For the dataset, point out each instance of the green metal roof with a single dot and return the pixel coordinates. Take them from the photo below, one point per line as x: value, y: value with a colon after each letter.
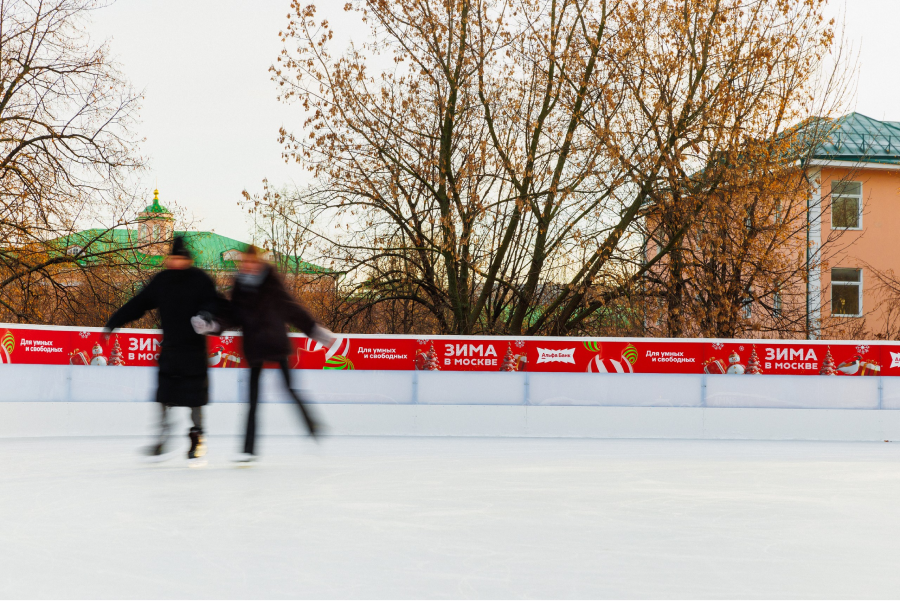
x: 858, y: 138
x: 117, y: 246
x: 208, y: 249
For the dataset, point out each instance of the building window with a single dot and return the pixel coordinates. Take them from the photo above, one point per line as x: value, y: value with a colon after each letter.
x: 777, y: 305
x: 73, y: 250
x: 846, y: 292
x: 747, y: 308
x: 846, y: 205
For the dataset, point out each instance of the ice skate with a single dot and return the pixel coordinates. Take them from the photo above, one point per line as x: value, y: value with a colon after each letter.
x: 245, y: 459
x: 197, y: 453
x: 157, y: 453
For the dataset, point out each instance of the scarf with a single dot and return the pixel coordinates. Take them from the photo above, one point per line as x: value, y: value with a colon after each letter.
x: 252, y: 281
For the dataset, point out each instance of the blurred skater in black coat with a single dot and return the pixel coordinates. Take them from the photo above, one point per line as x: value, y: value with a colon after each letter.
x: 263, y: 308
x: 179, y: 292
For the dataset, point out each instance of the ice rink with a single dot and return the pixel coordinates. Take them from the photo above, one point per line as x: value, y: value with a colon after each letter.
x: 452, y: 517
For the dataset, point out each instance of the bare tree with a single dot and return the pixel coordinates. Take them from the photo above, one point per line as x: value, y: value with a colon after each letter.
x: 66, y: 151
x: 502, y: 172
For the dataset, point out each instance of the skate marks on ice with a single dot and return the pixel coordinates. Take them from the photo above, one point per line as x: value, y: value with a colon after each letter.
x: 436, y: 518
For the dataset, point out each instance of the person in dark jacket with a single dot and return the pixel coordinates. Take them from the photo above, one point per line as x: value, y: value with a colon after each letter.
x: 179, y: 292
x: 262, y: 307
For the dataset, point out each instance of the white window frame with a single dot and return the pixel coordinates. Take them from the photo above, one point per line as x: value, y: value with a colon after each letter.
x: 747, y: 307
x: 747, y: 310
x: 859, y: 292
x: 859, y: 205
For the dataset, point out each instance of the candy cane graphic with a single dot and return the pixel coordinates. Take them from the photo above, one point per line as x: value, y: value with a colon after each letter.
x: 609, y: 366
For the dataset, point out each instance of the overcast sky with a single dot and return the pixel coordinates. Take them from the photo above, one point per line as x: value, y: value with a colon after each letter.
x: 210, y: 118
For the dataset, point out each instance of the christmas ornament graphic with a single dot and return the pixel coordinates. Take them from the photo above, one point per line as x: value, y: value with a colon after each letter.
x: 630, y: 354
x: 340, y: 347
x: 609, y: 366
x: 338, y: 362
x: 592, y: 345
x: 7, y: 346
x: 828, y: 365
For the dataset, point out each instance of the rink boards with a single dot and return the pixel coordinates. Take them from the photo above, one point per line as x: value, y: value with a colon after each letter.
x: 67, y: 383
x: 50, y: 385
x: 64, y: 400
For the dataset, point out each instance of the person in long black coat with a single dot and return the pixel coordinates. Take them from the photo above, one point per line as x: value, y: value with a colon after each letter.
x: 263, y: 308
x: 179, y: 292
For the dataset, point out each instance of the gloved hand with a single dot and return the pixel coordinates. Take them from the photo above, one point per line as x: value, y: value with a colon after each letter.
x: 204, y: 325
x: 323, y: 335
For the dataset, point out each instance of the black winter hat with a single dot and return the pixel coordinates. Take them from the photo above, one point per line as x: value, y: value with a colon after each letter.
x: 179, y: 248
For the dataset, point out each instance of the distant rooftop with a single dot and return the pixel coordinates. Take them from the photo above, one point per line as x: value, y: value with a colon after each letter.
x: 210, y: 250
x: 859, y: 139
x: 146, y: 246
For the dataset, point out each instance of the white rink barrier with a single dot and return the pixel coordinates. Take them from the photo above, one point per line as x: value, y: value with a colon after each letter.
x: 39, y: 400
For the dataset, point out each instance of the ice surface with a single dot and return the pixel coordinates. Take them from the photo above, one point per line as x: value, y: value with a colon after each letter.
x: 452, y: 517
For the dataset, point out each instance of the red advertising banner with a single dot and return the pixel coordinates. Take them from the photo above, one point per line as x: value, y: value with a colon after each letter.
x: 624, y: 356
x: 890, y: 357
x: 781, y: 357
x: 48, y: 345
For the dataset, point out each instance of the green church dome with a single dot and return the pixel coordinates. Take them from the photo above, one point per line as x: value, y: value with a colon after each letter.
x: 156, y: 207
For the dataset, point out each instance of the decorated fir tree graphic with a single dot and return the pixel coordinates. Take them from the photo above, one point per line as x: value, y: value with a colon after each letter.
x: 115, y: 355
x: 509, y: 360
x: 828, y: 365
x: 432, y: 362
x: 753, y: 363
